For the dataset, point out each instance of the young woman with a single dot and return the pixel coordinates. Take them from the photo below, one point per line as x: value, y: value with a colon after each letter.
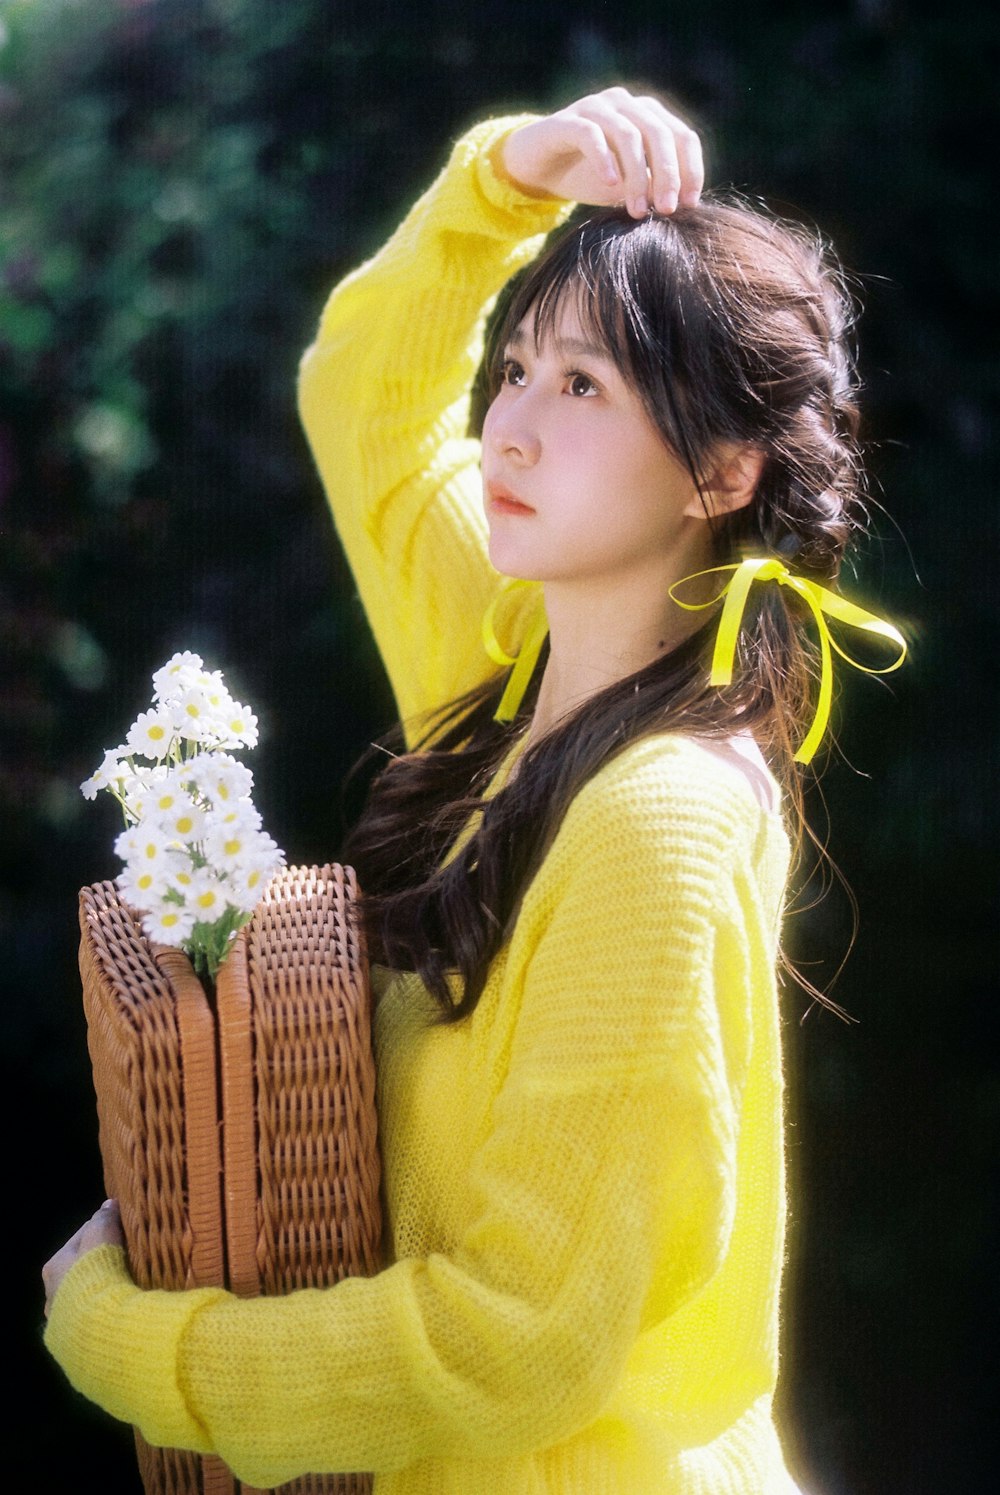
x: 576, y: 872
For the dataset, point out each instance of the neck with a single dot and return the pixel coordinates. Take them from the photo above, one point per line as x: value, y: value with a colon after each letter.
x: 598, y: 635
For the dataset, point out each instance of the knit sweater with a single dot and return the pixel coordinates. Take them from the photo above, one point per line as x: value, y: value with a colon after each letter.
x: 583, y: 1181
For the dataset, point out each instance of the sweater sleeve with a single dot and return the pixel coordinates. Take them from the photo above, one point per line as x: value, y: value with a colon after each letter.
x: 599, y: 1202
x: 384, y: 397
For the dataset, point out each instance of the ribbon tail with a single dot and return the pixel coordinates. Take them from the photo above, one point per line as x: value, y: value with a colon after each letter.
x: 812, y: 595
x: 520, y: 675
x: 724, y: 653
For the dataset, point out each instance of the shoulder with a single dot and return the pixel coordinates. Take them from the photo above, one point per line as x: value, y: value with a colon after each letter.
x: 677, y: 783
x: 668, y: 820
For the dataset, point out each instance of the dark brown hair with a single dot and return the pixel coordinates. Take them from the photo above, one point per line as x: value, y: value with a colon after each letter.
x: 732, y: 326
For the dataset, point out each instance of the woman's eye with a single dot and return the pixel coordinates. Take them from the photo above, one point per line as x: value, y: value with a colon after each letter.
x: 511, y: 371
x: 582, y: 384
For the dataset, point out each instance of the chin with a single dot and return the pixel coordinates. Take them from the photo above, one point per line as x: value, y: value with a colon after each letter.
x: 507, y: 562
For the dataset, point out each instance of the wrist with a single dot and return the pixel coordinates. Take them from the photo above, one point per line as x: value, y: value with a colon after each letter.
x: 512, y: 209
x: 497, y: 157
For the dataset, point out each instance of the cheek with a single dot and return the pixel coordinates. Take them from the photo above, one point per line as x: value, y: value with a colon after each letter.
x: 492, y: 413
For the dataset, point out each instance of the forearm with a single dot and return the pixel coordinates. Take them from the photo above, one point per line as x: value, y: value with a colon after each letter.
x: 119, y: 1346
x: 510, y: 1343
x: 384, y: 397
x: 400, y: 338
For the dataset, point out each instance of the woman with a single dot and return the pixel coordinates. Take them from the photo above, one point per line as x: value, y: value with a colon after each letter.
x: 576, y: 873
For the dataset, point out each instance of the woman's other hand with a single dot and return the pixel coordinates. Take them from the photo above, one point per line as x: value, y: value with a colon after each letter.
x: 608, y: 148
x: 104, y: 1228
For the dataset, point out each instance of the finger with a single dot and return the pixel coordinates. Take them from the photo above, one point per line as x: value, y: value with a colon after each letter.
x: 661, y: 159
x: 626, y: 142
x: 50, y: 1281
x: 71, y: 1247
x: 104, y: 1230
x: 66, y: 1255
x: 673, y: 155
x: 593, y: 145
x: 55, y: 1270
x: 692, y: 166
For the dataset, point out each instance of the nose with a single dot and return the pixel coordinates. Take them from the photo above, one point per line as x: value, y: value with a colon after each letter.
x: 511, y: 430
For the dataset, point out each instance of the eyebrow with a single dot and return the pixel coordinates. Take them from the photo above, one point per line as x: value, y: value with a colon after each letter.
x: 575, y: 346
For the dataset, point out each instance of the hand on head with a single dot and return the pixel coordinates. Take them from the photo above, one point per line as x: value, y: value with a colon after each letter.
x: 610, y: 147
x: 104, y: 1228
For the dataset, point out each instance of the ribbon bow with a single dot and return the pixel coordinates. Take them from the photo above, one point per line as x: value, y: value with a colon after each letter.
x: 820, y: 601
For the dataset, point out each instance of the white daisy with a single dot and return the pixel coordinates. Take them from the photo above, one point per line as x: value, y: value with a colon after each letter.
x: 152, y: 733
x: 221, y: 779
x: 243, y: 814
x: 143, y: 845
x: 240, y: 725
x: 185, y: 822
x: 207, y: 897
x: 194, y: 717
x: 142, y: 789
x: 196, y: 858
x: 141, y: 886
x: 246, y: 887
x: 168, y: 792
x: 113, y: 768
x: 168, y: 923
x: 176, y: 675
x: 179, y: 873
x: 212, y: 683
x: 234, y: 840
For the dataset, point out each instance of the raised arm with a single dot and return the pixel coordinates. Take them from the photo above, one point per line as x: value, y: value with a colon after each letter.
x: 384, y: 397
x: 384, y: 390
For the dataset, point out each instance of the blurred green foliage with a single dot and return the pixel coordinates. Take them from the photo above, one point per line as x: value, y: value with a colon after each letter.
x: 180, y: 182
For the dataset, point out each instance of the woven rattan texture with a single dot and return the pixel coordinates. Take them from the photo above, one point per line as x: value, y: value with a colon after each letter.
x: 317, y: 1151
x: 289, y: 1034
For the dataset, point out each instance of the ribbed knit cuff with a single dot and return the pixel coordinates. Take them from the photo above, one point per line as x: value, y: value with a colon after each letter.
x: 94, y: 1324
x: 531, y: 214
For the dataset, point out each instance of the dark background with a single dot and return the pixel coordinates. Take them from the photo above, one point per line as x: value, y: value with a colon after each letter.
x: 180, y: 183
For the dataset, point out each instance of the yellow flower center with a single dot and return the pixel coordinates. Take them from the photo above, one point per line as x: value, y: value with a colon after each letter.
x: 155, y: 733
x: 169, y: 920
x: 232, y: 847
x: 146, y: 881
x: 193, y: 710
x: 184, y: 824
x: 206, y: 900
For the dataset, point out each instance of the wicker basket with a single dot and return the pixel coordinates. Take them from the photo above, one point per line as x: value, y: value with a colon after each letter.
x: 238, y: 1137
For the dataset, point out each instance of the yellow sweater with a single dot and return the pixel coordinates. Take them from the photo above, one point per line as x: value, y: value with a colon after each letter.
x: 583, y: 1183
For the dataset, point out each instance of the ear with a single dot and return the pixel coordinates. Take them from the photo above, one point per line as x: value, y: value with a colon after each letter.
x: 732, y: 482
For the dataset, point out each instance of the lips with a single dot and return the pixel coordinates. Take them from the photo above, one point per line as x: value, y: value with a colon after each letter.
x: 504, y: 501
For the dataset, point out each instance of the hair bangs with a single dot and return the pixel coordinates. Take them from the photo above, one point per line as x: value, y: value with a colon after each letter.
x: 631, y: 285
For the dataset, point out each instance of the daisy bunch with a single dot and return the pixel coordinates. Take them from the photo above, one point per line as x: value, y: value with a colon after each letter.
x: 196, y: 857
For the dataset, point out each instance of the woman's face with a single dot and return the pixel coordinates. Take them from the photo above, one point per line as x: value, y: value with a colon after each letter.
x: 578, y: 484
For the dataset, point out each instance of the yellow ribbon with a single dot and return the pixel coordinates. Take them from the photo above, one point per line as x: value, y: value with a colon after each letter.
x: 819, y: 601
x: 524, y: 662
